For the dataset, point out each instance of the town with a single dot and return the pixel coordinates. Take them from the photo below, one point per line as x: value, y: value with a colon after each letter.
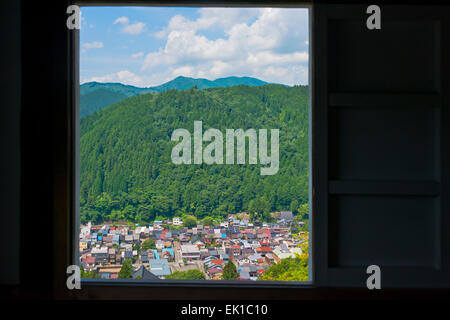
x: 165, y: 248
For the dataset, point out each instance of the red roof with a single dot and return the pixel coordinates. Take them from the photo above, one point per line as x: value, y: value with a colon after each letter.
x: 90, y: 260
x: 217, y: 261
x: 263, y: 249
x: 214, y: 270
x: 235, y: 246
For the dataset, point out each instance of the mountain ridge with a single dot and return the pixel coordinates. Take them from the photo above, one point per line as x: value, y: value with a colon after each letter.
x: 92, y: 100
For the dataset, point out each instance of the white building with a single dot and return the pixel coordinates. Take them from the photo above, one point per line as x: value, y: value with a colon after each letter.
x: 177, y: 221
x: 190, y: 252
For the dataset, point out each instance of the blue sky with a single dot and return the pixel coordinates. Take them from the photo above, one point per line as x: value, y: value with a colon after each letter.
x: 147, y: 46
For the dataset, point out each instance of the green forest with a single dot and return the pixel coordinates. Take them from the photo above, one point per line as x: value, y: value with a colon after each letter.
x: 125, y: 155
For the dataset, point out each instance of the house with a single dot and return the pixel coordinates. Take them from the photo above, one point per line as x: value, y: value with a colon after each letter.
x: 143, y: 273
x: 190, y: 252
x: 204, y: 253
x: 224, y: 224
x: 84, y: 245
x: 108, y: 272
x: 263, y: 250
x: 286, y: 215
x: 128, y: 254
x: 89, y: 263
x: 248, y: 272
x: 144, y: 256
x: 159, y: 267
x: 254, y: 258
x: 150, y: 255
x: 168, y: 253
x: 213, y: 252
x: 224, y: 257
x: 100, y: 254
x: 236, y: 250
x: 159, y: 244
x: 156, y: 234
x: 116, y: 239
x: 215, y: 273
x: 176, y: 221
x: 112, y: 255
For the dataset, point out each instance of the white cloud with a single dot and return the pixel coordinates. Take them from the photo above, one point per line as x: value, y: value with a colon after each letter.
x: 137, y: 55
x: 268, y: 43
x: 91, y: 45
x: 135, y: 28
x: 122, y: 20
x: 123, y: 76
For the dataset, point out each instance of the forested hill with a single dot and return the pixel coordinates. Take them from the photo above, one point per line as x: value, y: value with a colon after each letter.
x: 95, y: 96
x: 126, y: 167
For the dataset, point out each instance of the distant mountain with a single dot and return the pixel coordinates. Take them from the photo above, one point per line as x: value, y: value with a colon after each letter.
x: 97, y: 100
x: 183, y: 83
x: 95, y: 96
x: 124, y: 89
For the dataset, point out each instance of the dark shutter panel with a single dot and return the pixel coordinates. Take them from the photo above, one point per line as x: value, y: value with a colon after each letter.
x: 381, y: 140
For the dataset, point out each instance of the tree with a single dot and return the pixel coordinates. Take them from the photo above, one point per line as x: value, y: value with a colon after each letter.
x: 294, y: 206
x: 137, y: 246
x: 303, y: 210
x: 189, y: 222
x: 289, y: 269
x: 261, y: 207
x: 208, y: 221
x: 126, y: 272
x: 193, y: 274
x: 148, y: 244
x: 90, y: 274
x: 229, y: 271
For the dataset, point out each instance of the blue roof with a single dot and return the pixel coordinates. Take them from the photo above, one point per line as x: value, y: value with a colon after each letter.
x: 170, y: 250
x: 159, y: 267
x: 156, y: 253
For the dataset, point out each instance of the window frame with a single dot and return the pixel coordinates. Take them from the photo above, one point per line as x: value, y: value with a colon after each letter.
x: 73, y: 244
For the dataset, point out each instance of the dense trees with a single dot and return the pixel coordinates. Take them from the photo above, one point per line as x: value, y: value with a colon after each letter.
x: 208, y: 221
x: 193, y: 274
x: 126, y: 272
x: 189, y: 221
x: 127, y: 173
x: 87, y: 274
x: 289, y: 269
x: 229, y: 271
x: 148, y: 244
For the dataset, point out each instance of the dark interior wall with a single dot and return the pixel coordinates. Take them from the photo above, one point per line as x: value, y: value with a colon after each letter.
x: 10, y: 86
x: 382, y: 102
x: 44, y: 130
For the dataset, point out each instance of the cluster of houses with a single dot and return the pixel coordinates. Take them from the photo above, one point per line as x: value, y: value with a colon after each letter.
x: 103, y: 249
